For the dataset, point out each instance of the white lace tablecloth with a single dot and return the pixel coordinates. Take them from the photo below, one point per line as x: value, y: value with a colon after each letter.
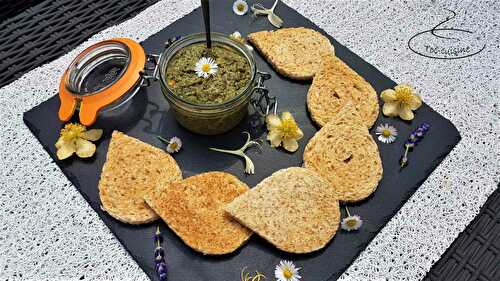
x: 49, y: 232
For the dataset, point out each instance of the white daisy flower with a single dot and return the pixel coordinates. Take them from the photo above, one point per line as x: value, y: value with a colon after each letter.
x: 174, y: 145
x: 286, y: 271
x: 206, y: 67
x: 240, y: 7
x: 351, y: 222
x: 386, y: 133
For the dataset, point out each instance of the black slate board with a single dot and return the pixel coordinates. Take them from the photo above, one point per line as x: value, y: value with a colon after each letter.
x: 148, y: 115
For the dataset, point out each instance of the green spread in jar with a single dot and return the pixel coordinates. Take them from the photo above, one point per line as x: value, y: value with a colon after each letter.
x: 233, y: 74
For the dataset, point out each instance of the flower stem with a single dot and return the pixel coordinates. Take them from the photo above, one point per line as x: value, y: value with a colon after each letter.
x: 249, y: 166
x: 347, y: 211
x: 163, y: 139
x: 158, y: 232
x: 404, y: 160
x: 234, y: 152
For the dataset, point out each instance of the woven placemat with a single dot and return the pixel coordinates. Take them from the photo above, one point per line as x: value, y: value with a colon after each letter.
x: 50, y: 29
x: 10, y: 8
x: 475, y: 254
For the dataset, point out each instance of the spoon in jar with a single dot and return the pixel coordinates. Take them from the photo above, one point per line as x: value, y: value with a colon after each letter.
x: 206, y: 18
x: 258, y: 10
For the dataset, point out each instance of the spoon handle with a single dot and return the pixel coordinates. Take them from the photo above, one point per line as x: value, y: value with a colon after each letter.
x: 206, y: 19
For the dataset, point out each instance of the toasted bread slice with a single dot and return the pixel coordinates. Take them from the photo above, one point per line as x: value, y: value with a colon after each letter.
x: 335, y: 86
x: 131, y: 169
x: 194, y: 210
x: 294, y: 52
x: 294, y: 209
x: 345, y: 154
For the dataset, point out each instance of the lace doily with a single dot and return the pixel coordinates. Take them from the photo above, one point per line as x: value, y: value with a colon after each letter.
x: 49, y: 232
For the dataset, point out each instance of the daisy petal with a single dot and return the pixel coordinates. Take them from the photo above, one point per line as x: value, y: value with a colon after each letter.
x: 390, y: 109
x: 66, y: 150
x: 393, y: 130
x: 84, y: 148
x: 382, y: 139
x: 406, y: 113
x: 380, y: 129
x: 290, y: 144
x: 388, y: 95
x: 274, y: 137
x: 92, y: 135
x: 170, y: 148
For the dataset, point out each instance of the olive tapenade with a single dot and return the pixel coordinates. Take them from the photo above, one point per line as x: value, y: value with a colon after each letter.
x: 232, y: 76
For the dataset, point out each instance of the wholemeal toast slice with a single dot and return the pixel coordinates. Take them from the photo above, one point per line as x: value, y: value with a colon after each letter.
x: 336, y: 85
x: 294, y: 52
x: 132, y: 168
x: 294, y: 209
x: 347, y: 115
x: 193, y: 209
x: 345, y: 154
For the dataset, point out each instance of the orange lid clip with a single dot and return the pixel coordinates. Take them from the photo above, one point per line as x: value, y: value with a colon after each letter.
x: 89, y: 105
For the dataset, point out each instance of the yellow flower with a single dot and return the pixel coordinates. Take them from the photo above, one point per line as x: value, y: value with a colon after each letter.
x: 245, y: 276
x: 284, y: 130
x: 76, y: 139
x: 400, y: 102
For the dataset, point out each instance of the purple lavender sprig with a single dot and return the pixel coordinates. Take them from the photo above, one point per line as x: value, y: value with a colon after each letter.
x: 172, y: 40
x: 413, y: 140
x: 160, y: 264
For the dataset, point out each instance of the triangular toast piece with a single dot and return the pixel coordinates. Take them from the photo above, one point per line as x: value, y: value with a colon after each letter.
x: 194, y: 209
x: 131, y: 169
x: 294, y: 52
x: 294, y: 209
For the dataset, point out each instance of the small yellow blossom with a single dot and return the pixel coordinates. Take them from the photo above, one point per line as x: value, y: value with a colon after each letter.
x: 245, y: 276
x: 75, y: 138
x: 283, y: 131
x: 401, y: 101
x: 236, y: 36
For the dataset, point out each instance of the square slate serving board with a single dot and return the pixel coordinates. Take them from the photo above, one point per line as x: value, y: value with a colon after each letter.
x: 148, y: 115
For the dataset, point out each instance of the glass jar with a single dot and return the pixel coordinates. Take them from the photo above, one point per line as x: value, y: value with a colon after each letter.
x: 208, y: 119
x: 102, y: 80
